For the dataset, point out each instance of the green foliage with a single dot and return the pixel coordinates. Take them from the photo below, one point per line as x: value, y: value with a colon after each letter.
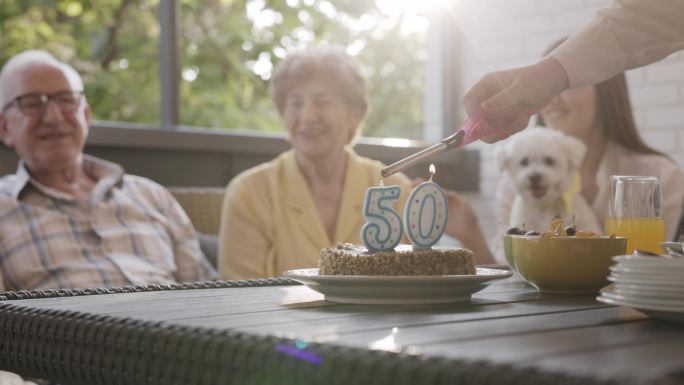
x: 96, y: 37
x: 114, y: 45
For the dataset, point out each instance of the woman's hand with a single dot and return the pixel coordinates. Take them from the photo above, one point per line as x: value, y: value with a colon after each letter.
x: 509, y: 98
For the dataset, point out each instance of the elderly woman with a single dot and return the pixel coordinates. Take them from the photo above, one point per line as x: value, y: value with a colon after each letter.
x: 279, y: 215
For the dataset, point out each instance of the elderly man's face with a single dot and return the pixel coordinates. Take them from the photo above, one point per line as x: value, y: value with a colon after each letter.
x: 54, y: 137
x: 319, y: 121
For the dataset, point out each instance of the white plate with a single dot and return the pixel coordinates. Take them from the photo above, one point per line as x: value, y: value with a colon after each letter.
x: 645, y: 291
x: 676, y: 304
x: 648, y: 281
x: 673, y: 316
x: 650, y: 289
x: 667, y: 313
x: 657, y: 279
x: 654, y: 262
x: 362, y: 289
x: 660, y: 270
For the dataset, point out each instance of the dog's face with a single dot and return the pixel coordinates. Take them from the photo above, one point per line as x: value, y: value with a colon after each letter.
x: 541, y: 163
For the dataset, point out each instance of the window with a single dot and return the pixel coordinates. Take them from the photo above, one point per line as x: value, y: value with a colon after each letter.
x: 113, y: 45
x: 226, y: 53
x: 229, y: 50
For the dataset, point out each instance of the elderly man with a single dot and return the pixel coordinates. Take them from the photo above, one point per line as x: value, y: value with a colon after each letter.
x: 70, y: 220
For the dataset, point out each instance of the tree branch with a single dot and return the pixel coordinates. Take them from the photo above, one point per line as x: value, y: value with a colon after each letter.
x: 112, y: 49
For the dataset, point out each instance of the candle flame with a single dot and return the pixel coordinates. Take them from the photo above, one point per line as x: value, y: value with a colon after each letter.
x: 432, y: 170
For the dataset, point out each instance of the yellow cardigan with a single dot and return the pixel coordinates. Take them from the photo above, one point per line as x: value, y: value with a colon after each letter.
x: 270, y: 224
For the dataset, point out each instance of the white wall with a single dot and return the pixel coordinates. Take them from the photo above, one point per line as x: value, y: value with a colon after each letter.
x: 500, y: 34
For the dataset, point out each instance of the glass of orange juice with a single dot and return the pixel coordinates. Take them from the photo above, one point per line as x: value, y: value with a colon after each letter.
x: 635, y: 212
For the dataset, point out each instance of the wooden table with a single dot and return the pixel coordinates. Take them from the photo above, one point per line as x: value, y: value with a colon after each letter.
x: 278, y: 332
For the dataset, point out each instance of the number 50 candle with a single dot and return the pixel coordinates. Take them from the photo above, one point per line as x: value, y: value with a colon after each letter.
x: 425, y: 214
x: 383, y: 228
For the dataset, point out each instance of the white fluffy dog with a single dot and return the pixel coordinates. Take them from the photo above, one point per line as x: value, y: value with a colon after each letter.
x: 542, y: 163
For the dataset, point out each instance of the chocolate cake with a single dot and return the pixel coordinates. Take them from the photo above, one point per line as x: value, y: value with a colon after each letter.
x: 350, y: 259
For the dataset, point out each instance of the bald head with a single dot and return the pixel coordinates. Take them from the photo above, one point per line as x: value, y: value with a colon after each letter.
x: 23, y: 63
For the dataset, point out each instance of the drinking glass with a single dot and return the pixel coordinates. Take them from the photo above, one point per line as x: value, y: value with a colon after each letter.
x: 635, y: 212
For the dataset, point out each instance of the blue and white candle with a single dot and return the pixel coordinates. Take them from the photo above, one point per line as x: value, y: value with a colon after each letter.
x: 425, y: 214
x: 383, y: 229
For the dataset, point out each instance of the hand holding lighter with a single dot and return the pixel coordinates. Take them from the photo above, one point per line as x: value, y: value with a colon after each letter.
x: 473, y: 129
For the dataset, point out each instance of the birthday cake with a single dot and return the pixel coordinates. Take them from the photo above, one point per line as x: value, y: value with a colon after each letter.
x: 351, y: 259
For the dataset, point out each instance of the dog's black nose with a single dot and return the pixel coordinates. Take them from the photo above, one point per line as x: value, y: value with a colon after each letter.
x: 535, y: 178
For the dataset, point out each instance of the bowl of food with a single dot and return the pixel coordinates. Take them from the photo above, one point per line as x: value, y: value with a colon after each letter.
x: 508, y: 243
x: 508, y: 249
x: 555, y: 262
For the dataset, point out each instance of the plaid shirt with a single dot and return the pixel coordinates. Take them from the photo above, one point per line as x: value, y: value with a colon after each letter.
x: 131, y: 231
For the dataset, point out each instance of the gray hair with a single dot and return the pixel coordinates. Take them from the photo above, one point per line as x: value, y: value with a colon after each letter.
x: 31, y: 58
x: 331, y: 61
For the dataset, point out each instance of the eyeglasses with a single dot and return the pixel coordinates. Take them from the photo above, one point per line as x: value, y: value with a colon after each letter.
x: 35, y: 104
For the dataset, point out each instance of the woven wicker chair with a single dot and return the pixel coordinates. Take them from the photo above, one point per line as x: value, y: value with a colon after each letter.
x: 203, y: 206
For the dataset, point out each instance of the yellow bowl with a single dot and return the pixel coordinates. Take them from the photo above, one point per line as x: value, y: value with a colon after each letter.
x: 565, y: 264
x: 508, y: 249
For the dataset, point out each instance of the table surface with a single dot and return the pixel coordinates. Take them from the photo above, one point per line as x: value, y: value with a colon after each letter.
x: 508, y: 333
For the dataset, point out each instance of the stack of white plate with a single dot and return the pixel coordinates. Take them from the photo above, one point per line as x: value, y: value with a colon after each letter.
x: 653, y: 285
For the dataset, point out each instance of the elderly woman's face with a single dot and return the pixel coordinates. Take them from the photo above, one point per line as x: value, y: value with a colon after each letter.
x: 318, y: 119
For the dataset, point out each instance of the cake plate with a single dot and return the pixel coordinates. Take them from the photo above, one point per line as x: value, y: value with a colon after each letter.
x: 395, y: 290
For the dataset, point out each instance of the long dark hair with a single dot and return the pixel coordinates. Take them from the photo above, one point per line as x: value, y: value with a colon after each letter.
x: 615, y: 112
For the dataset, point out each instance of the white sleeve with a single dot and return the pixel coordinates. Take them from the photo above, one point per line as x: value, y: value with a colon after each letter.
x: 630, y: 34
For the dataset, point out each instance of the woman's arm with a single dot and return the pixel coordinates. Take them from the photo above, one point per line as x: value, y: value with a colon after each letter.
x: 243, y: 240
x: 630, y: 34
